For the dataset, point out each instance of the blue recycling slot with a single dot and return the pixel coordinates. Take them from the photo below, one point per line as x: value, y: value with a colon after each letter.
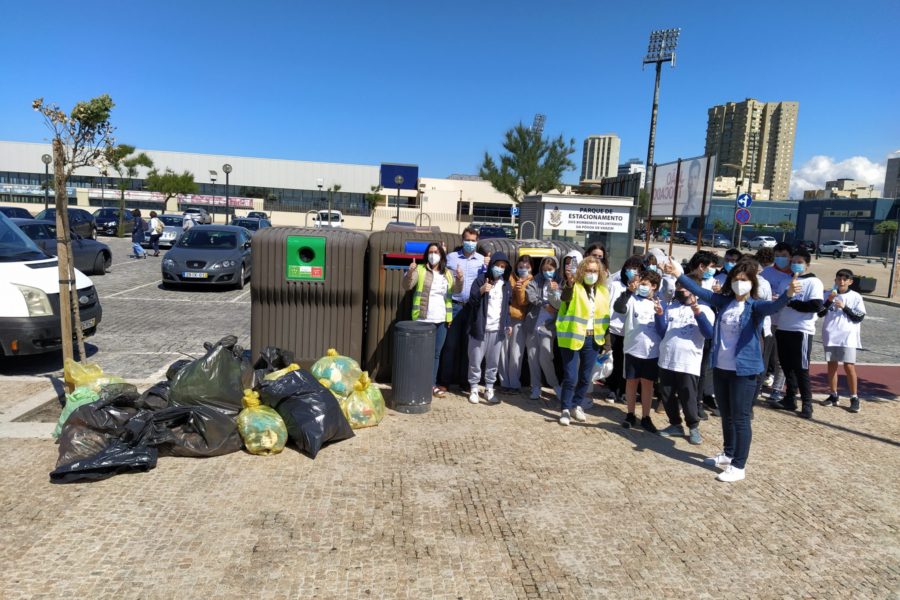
x: 415, y: 247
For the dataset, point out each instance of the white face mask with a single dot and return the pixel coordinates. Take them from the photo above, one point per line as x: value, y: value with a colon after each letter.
x: 434, y: 258
x: 590, y: 278
x: 741, y: 288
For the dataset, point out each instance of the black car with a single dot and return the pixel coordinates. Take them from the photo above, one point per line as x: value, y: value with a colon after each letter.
x: 492, y: 231
x: 251, y: 225
x: 808, y: 245
x: 15, y: 212
x: 107, y: 220
x: 91, y: 257
x: 80, y: 221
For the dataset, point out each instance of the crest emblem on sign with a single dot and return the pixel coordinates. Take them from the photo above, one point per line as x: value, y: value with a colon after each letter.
x: 555, y: 217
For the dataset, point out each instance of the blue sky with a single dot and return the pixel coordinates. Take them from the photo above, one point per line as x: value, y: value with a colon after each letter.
x: 437, y: 83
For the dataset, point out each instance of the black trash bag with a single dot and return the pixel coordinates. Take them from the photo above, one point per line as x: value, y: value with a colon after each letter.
x: 157, y: 395
x: 311, y: 413
x: 191, y: 431
x: 214, y: 380
x: 122, y: 394
x: 114, y: 459
x: 270, y: 359
x: 176, y: 366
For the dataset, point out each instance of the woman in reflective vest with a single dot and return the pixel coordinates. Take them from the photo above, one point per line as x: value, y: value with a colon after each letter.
x: 434, y: 285
x: 581, y: 326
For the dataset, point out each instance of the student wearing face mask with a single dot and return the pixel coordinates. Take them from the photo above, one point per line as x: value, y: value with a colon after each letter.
x: 702, y: 269
x: 844, y: 311
x: 544, y: 296
x: 489, y: 302
x: 732, y: 255
x: 736, y: 357
x: 666, y: 289
x: 581, y: 326
x: 779, y: 275
x: 514, y: 345
x: 434, y: 285
x: 570, y: 265
x: 796, y: 328
x: 629, y: 272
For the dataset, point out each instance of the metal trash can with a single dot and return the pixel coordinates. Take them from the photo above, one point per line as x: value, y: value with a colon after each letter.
x: 308, y: 291
x: 411, y: 382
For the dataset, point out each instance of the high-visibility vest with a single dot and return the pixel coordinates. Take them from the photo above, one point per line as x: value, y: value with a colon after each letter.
x: 573, y: 316
x: 420, y: 285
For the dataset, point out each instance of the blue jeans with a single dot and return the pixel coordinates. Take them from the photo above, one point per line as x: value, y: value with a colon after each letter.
x: 578, y: 366
x: 734, y: 395
x: 136, y: 248
x: 440, y: 336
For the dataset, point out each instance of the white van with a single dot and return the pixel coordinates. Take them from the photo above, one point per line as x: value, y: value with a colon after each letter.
x: 29, y: 296
x: 322, y: 219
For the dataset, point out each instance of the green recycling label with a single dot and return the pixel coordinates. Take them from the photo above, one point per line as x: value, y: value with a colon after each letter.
x: 305, y: 258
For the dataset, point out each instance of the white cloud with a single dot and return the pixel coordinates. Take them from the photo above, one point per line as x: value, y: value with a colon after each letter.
x: 813, y: 174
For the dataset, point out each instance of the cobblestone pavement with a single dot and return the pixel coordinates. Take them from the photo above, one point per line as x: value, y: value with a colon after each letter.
x: 475, y: 502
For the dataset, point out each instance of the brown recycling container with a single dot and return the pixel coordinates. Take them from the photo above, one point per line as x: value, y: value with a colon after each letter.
x: 308, y: 291
x: 536, y: 249
x: 387, y: 301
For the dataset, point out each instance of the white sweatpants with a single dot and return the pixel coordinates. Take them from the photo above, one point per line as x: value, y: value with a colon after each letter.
x: 489, y: 351
x: 540, y: 357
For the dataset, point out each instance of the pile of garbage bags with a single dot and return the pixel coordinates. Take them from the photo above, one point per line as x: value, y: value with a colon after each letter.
x: 209, y: 406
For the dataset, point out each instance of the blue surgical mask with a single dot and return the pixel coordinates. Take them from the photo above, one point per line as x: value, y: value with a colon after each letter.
x: 497, y: 272
x: 652, y: 268
x: 643, y: 290
x: 549, y: 274
x: 523, y: 272
x: 782, y: 262
x: 469, y: 246
x: 709, y: 273
x: 728, y: 266
x: 630, y: 273
x: 798, y: 267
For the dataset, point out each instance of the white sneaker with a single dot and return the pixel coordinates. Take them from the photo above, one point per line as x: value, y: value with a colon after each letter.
x: 579, y: 414
x: 489, y: 396
x: 770, y: 379
x: 564, y: 417
x: 731, y: 474
x: 473, y: 397
x: 719, y: 460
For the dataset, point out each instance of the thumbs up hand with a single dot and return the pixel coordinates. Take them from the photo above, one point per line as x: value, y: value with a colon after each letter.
x: 793, y: 287
x: 412, y: 265
x: 487, y: 287
x: 459, y: 272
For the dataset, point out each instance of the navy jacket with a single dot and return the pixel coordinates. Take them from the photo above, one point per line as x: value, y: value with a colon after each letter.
x: 137, y: 234
x: 479, y: 304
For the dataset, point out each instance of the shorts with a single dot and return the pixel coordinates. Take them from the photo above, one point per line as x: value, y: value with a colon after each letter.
x: 840, y: 354
x: 641, y: 368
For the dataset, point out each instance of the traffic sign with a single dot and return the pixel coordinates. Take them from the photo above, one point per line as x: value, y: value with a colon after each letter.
x: 514, y: 210
x: 742, y: 216
x: 744, y: 200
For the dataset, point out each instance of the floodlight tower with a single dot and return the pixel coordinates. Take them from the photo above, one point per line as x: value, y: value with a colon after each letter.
x: 538, y: 125
x: 661, y: 49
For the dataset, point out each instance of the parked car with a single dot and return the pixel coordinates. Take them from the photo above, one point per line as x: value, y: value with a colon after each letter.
x: 90, y: 255
x: 689, y: 238
x: 80, y: 221
x: 16, y: 212
x: 256, y: 214
x: 716, y: 240
x: 201, y: 216
x: 172, y: 228
x: 322, y: 219
x: 839, y: 248
x: 251, y: 225
x: 29, y: 296
x: 761, y: 241
x: 213, y: 254
x: 491, y: 231
x: 107, y: 220
x: 808, y: 245
x: 678, y: 237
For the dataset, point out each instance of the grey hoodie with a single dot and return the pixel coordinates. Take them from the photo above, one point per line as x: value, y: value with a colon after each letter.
x: 539, y: 294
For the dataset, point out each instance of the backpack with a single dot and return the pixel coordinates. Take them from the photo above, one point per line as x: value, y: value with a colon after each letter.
x: 159, y: 226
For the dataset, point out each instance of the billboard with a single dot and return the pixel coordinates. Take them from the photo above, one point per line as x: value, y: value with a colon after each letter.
x: 587, y: 217
x: 390, y: 171
x: 687, y: 197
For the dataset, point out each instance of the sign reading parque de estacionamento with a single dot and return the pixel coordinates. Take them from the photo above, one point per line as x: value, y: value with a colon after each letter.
x: 586, y: 217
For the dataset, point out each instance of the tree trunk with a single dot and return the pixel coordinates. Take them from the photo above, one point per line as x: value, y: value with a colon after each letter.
x: 120, y: 231
x: 66, y: 281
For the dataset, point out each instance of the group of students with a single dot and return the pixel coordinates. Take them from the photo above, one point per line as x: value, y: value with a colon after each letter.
x: 709, y: 337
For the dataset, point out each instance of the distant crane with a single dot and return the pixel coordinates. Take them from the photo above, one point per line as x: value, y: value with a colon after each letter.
x: 538, y: 125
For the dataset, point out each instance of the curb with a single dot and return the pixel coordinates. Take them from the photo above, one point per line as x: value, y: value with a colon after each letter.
x: 883, y: 301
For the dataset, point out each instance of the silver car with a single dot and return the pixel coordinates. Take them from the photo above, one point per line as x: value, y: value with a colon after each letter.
x: 209, y: 254
x: 172, y: 228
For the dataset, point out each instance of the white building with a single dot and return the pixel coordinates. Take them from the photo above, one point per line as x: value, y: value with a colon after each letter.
x: 633, y: 165
x: 842, y: 188
x: 600, y: 157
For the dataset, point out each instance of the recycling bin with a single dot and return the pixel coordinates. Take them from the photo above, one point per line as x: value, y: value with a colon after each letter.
x: 411, y: 384
x: 387, y: 299
x: 308, y: 291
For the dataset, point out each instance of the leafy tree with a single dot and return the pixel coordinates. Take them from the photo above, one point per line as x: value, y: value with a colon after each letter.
x: 888, y: 228
x: 373, y: 199
x: 123, y: 161
x: 532, y: 164
x: 79, y: 139
x: 170, y: 184
x: 785, y: 226
x: 719, y: 225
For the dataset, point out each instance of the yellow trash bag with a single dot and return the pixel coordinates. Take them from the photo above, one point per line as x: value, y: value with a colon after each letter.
x: 364, y: 407
x: 262, y: 429
x: 88, y: 375
x: 337, y: 373
x: 281, y: 372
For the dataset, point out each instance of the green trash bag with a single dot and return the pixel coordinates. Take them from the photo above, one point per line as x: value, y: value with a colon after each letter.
x: 261, y: 427
x: 79, y: 397
x: 365, y: 406
x: 337, y: 373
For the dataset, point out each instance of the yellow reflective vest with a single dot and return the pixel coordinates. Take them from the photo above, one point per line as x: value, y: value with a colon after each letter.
x: 572, y: 319
x: 419, y: 296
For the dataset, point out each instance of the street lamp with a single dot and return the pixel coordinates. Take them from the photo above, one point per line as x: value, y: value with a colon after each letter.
x: 103, y: 175
x: 227, y: 168
x: 46, y: 159
x: 212, y: 177
x: 399, y: 181
x: 661, y: 49
x: 320, y: 183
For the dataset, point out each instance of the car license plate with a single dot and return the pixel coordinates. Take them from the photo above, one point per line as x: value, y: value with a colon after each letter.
x: 85, y: 325
x: 193, y: 275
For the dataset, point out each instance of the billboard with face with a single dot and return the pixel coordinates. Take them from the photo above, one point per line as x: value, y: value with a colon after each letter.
x: 687, y: 195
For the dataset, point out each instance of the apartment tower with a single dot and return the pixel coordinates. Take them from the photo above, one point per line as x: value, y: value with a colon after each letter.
x: 600, y: 157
